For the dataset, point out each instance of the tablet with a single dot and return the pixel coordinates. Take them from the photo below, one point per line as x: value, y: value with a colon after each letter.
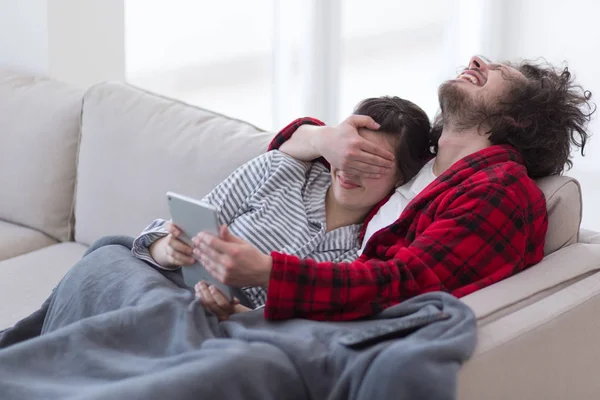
x: 191, y: 217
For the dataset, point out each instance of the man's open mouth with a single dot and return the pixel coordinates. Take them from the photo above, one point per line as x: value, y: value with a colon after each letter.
x: 472, y: 77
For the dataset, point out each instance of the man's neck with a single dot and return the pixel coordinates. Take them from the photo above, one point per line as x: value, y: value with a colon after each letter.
x: 454, y: 145
x: 337, y: 216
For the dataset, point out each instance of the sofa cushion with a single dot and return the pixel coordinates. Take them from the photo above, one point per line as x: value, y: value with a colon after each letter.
x: 563, y: 200
x: 26, y: 281
x: 39, y: 124
x: 136, y: 146
x: 16, y: 240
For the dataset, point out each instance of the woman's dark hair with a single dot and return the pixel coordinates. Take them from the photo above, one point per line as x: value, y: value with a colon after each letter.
x: 542, y: 118
x: 406, y: 121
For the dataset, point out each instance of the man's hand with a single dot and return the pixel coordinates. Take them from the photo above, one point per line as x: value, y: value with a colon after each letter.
x: 213, y: 300
x: 346, y: 150
x: 232, y: 260
x: 169, y: 251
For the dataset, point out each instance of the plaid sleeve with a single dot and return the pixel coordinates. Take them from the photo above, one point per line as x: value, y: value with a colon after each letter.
x: 477, y: 240
x: 286, y: 133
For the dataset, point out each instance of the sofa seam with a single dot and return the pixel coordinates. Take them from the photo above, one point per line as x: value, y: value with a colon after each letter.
x: 72, y: 219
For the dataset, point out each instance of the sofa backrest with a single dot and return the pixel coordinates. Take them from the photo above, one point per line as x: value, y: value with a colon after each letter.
x: 136, y: 146
x: 39, y: 128
x: 563, y: 201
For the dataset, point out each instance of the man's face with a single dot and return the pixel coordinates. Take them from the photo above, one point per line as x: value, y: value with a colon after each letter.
x: 477, y: 91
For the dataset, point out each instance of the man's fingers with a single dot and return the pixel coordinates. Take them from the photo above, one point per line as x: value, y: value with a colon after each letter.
x: 211, y: 266
x: 362, y: 168
x: 206, y: 241
x: 376, y: 155
x: 227, y: 236
x: 353, y: 171
x: 362, y: 121
x: 208, y: 252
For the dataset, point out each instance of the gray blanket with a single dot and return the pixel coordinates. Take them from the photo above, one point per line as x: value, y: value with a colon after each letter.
x: 116, y: 328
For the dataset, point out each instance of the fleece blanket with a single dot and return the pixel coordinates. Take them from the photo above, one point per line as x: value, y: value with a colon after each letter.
x: 117, y: 328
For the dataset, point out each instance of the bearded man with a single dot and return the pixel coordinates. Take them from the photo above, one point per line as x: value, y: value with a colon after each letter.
x: 471, y: 217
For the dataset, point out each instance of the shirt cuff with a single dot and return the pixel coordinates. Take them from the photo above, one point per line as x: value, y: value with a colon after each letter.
x: 141, y: 247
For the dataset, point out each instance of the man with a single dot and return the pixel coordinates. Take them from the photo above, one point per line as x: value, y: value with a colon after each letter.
x: 472, y: 216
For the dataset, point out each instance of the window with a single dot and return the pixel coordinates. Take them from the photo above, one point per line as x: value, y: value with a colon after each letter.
x: 216, y: 55
x: 392, y: 48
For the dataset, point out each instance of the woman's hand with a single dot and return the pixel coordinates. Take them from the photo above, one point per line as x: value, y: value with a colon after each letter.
x: 349, y: 152
x: 232, y: 260
x: 169, y: 251
x: 213, y: 300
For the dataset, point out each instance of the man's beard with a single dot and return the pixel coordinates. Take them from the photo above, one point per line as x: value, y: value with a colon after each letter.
x: 460, y: 108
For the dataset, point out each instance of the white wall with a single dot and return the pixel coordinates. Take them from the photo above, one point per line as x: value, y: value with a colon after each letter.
x: 76, y: 41
x: 86, y: 40
x: 564, y: 31
x: 23, y: 35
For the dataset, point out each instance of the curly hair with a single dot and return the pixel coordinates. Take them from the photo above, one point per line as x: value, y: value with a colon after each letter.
x: 542, y: 118
x: 407, y: 122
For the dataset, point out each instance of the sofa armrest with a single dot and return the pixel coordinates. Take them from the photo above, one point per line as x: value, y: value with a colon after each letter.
x: 555, y: 271
x: 587, y: 236
x: 547, y: 350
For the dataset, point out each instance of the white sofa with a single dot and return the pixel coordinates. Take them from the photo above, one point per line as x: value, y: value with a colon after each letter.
x: 77, y: 165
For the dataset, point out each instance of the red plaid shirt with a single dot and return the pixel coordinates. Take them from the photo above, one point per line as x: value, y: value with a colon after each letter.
x: 479, y: 222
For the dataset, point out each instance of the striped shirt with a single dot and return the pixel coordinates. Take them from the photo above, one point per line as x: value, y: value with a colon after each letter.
x: 277, y: 203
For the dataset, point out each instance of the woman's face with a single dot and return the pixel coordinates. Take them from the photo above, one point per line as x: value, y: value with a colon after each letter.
x: 358, y: 193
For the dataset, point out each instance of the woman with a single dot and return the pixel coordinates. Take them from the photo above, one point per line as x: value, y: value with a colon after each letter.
x: 279, y: 203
